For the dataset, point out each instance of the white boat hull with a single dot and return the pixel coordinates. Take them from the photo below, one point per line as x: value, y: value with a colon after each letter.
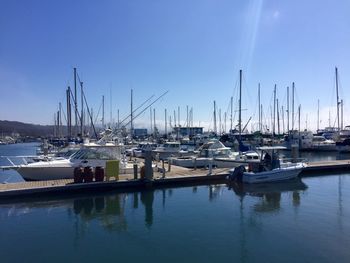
x: 275, y: 175
x: 231, y: 163
x: 189, y: 162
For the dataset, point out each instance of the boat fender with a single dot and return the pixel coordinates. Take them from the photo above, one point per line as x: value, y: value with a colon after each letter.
x: 237, y: 173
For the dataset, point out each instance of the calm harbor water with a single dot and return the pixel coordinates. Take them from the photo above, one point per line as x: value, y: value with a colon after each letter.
x: 304, y: 220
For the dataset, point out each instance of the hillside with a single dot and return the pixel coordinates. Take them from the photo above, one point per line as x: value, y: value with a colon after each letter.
x: 25, y: 129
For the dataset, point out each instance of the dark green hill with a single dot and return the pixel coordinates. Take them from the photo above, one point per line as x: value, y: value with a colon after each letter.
x: 25, y: 129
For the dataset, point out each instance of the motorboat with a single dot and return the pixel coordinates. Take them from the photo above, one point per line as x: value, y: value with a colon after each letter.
x: 270, y: 169
x: 170, y: 149
x: 139, y: 152
x: 236, y: 159
x: 303, y: 139
x: 267, y: 188
x: 320, y: 143
x: 215, y: 153
x: 343, y: 145
x: 63, y: 168
x: 206, y: 155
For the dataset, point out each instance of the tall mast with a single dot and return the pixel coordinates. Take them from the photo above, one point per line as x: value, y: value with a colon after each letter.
x: 231, y: 114
x: 278, y: 118
x: 69, y: 114
x: 336, y: 85
x: 341, y: 113
x: 225, y: 117
x: 282, y: 111
x: 118, y: 118
x: 220, y: 124
x: 318, y: 115
x: 131, y: 115
x: 60, y: 121
x: 287, y: 110
x: 187, y: 125
x: 150, y: 113
x: 299, y: 109
x: 110, y: 107
x: 240, y: 106
x: 103, y: 112
x: 293, y: 88
x: 261, y: 110
x: 215, y: 129
x: 82, y: 109
x: 274, y: 111
x: 259, y: 124
x: 165, y: 130
x: 75, y: 102
x: 154, y: 121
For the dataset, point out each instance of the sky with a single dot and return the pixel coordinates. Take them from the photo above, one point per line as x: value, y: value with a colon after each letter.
x: 193, y: 49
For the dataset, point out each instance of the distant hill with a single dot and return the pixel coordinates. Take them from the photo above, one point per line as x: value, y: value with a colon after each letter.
x: 25, y: 129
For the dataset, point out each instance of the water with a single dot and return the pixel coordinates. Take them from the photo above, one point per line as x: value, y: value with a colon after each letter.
x: 300, y: 221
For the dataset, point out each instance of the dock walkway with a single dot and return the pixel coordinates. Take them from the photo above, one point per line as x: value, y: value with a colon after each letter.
x: 176, y: 177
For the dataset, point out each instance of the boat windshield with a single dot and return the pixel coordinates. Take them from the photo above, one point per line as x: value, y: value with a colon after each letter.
x: 97, y: 153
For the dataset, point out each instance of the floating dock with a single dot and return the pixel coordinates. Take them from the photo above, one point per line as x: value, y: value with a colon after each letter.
x: 178, y: 176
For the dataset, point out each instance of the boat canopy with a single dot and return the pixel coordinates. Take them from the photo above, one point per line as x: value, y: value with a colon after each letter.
x: 271, y: 148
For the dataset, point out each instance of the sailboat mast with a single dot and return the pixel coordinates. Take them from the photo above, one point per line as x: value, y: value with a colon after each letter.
x: 293, y: 88
x: 215, y: 129
x: 318, y: 115
x: 231, y: 114
x: 103, y: 112
x: 336, y: 85
x: 287, y: 109
x: 166, y: 123
x: 259, y: 124
x: 75, y: 102
x: 274, y: 112
x: 240, y: 106
x: 278, y: 118
x: 69, y: 114
x: 341, y: 114
x: 82, y: 109
x: 131, y: 115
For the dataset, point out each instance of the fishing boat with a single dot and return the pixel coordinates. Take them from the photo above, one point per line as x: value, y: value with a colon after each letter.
x: 63, y: 168
x: 270, y: 169
x: 206, y: 155
x: 170, y: 149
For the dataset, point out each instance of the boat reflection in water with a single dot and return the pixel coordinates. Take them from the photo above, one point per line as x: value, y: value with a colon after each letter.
x: 269, y: 194
x: 110, y: 210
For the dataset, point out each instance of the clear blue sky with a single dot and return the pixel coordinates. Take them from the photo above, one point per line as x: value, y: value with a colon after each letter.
x: 194, y: 49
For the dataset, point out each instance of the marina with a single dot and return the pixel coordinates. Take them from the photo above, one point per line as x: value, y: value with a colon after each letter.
x: 174, y: 131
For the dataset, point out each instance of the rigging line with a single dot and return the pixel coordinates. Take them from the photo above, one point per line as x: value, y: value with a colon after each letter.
x: 78, y: 114
x: 88, y: 110
x: 136, y: 110
x: 98, y: 113
x: 149, y: 106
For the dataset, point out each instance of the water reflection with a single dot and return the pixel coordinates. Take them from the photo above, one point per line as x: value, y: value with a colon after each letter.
x: 147, y: 198
x: 269, y: 194
x: 109, y: 210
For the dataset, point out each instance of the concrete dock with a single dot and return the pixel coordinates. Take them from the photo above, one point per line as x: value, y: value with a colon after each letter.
x: 178, y: 176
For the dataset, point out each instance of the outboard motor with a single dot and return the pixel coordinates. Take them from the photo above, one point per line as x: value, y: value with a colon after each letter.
x: 237, y: 174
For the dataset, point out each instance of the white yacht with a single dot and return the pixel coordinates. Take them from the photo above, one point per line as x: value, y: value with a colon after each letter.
x: 206, y: 154
x: 170, y: 149
x: 63, y: 168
